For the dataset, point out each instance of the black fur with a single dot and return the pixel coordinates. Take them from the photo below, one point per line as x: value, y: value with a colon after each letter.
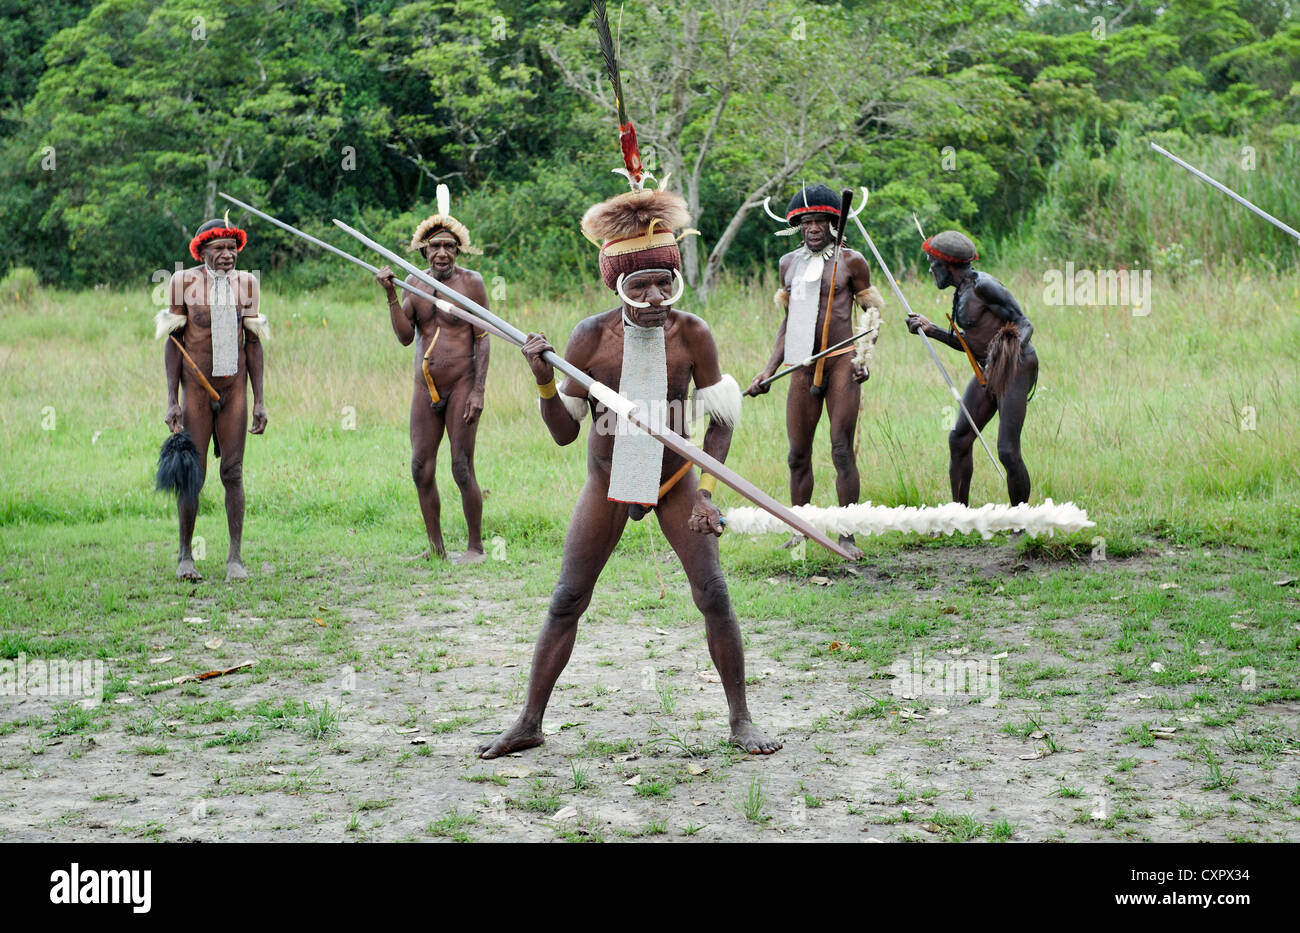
x: 178, y: 468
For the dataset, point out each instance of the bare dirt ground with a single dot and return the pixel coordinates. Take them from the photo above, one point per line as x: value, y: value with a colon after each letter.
x: 1071, y: 750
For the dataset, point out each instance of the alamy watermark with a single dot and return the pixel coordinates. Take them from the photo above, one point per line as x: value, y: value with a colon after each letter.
x: 53, y: 678
x: 656, y: 411
x: 920, y: 676
x: 1117, y: 287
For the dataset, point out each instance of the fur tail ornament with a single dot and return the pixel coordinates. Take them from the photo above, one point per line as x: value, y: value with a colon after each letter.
x: 179, y: 470
x: 1002, y: 365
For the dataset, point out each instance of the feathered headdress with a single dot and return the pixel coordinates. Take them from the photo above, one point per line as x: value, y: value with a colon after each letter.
x: 443, y: 221
x: 634, y: 230
x: 632, y: 169
x: 217, y: 230
x: 817, y: 199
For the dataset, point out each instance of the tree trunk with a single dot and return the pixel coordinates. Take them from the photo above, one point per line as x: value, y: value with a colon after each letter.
x: 690, y: 245
x: 714, y: 265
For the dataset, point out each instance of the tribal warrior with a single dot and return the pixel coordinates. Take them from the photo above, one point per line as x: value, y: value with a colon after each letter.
x: 214, y: 313
x: 808, y: 328
x: 652, y: 353
x: 451, y: 365
x: 987, y: 325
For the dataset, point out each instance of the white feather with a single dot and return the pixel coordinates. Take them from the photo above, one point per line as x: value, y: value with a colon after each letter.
x: 577, y: 407
x: 866, y: 344
x: 720, y: 401
x: 258, y: 327
x: 444, y: 200
x: 949, y: 519
x: 165, y: 323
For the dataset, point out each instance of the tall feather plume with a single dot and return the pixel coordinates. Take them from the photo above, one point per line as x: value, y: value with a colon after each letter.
x: 444, y: 200
x: 626, y: 132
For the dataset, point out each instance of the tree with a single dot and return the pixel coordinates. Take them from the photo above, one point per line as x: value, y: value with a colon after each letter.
x: 466, y: 85
x: 148, y: 108
x: 750, y: 94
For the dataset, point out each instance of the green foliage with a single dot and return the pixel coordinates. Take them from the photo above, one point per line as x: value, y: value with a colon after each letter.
x: 18, y: 286
x: 1022, y: 124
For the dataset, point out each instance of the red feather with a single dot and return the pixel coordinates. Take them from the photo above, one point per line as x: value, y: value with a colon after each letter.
x: 631, y: 154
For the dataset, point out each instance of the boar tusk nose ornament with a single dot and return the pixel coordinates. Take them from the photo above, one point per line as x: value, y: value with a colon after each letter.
x: 672, y: 300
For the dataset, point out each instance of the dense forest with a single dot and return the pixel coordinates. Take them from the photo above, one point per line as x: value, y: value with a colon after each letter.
x: 1024, y: 123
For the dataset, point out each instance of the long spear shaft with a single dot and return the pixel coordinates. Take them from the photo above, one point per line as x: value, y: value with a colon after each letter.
x: 846, y: 201
x: 934, y: 356
x: 443, y: 305
x: 814, y: 358
x: 618, y: 404
x: 1226, y: 190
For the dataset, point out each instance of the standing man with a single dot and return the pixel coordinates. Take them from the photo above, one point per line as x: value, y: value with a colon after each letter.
x: 988, y: 325
x: 214, y: 348
x: 652, y: 353
x: 808, y: 327
x: 451, y: 365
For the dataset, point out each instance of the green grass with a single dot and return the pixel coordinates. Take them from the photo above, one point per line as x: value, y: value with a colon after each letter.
x: 581, y: 775
x: 323, y: 722
x: 1137, y: 419
x: 754, y: 802
x: 959, y: 827
x: 452, y: 826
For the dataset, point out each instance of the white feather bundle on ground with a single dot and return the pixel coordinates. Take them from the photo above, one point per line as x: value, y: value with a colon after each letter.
x: 952, y: 518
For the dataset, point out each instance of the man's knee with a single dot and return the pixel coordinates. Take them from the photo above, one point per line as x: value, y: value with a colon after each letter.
x: 462, y: 471
x: 798, y: 459
x: 842, y: 456
x: 232, y: 471
x: 1008, y: 453
x: 568, y: 602
x: 422, y: 469
x: 711, y: 596
x: 959, y: 441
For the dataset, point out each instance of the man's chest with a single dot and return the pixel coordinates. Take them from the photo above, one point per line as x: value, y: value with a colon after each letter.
x: 203, y: 296
x: 969, y: 311
x: 643, y: 365
x: 814, y: 275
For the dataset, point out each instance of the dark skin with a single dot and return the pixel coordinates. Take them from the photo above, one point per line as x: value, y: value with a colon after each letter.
x: 841, y: 376
x: 689, y: 519
x: 459, y: 365
x: 982, y: 306
x: 190, y: 291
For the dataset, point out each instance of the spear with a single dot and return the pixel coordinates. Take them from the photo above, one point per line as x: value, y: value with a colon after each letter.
x: 814, y: 358
x: 618, y: 404
x: 446, y: 306
x: 934, y: 356
x: 1228, y: 191
x: 846, y: 200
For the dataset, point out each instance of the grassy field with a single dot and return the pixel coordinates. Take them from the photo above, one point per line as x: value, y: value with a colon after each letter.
x: 1178, y: 431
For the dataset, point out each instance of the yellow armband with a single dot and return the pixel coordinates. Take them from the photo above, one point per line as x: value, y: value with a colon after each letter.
x: 548, y: 390
x: 707, y: 483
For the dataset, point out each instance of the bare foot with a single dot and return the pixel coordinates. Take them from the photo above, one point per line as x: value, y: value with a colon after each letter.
x: 515, y: 739
x: 471, y: 557
x: 185, y: 570
x: 747, y: 736
x: 847, y: 541
x: 235, y: 570
x: 427, y: 554
x: 793, y: 541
